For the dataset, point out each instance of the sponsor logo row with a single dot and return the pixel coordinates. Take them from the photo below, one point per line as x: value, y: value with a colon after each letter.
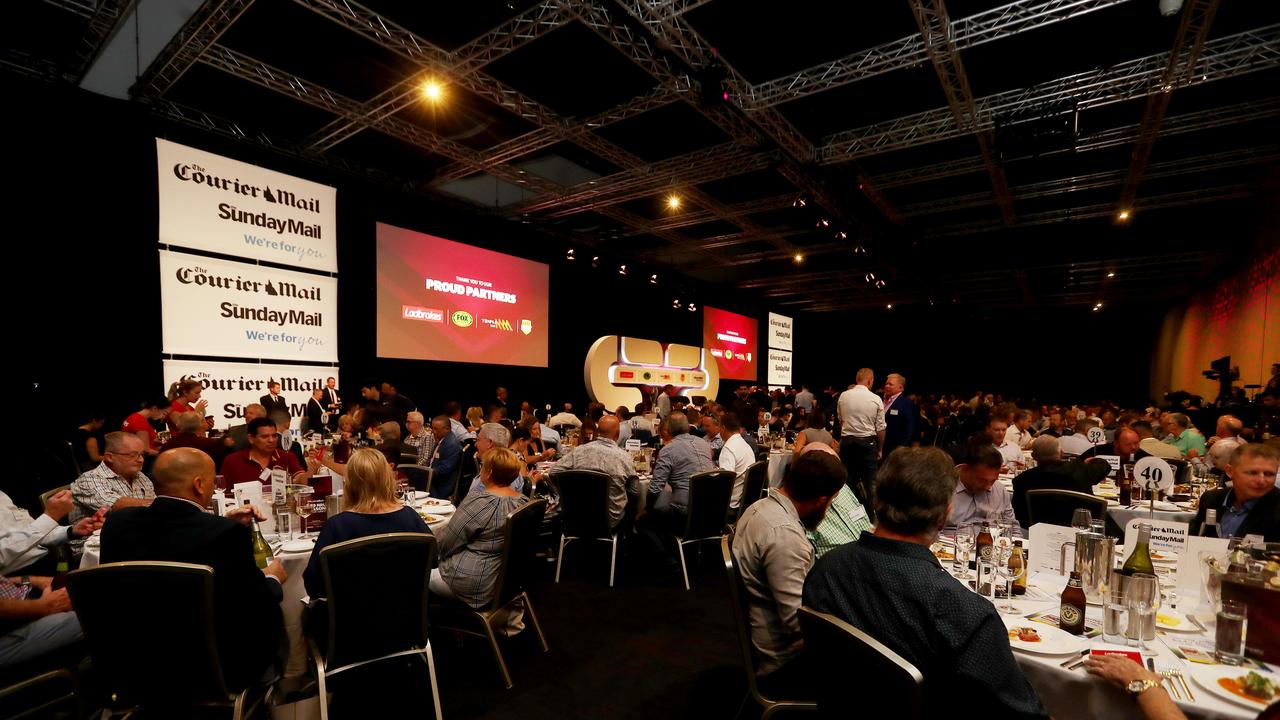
x: 461, y: 318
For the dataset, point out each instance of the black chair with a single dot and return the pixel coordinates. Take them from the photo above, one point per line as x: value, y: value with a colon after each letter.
x: 28, y: 693
x: 418, y: 476
x: 1056, y: 506
x: 584, y: 512
x: 1181, y: 471
x: 834, y: 646
x: 169, y: 661
x: 467, y: 466
x: 44, y: 501
x: 753, y: 488
x: 740, y: 603
x: 520, y: 542
x: 365, y: 627
x: 707, y: 512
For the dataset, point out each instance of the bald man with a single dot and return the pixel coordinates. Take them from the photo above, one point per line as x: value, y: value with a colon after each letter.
x: 604, y: 455
x: 175, y: 528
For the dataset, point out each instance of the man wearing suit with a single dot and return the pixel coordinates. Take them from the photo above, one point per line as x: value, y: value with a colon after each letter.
x: 1252, y: 505
x: 332, y: 403
x: 1051, y: 473
x: 317, y: 416
x: 445, y: 457
x: 899, y: 414
x: 175, y: 528
x: 273, y: 402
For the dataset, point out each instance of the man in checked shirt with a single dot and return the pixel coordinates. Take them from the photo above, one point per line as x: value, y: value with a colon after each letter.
x: 118, y: 482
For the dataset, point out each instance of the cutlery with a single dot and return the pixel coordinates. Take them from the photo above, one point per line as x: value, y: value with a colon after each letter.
x: 1197, y: 622
x: 1185, y: 686
x: 1168, y: 680
x: 1074, y: 660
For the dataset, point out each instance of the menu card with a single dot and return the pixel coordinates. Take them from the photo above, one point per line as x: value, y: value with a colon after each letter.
x: 1046, y: 543
x: 250, y: 493
x: 1165, y: 535
x: 1191, y: 590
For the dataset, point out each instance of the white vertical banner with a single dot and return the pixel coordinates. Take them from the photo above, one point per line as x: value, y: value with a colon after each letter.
x: 228, y: 387
x: 213, y: 203
x: 779, y: 372
x: 780, y: 330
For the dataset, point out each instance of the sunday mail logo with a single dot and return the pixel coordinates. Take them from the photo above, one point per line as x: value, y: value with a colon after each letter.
x: 412, y: 312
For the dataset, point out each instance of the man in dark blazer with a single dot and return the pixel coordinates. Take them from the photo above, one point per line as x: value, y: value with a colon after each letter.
x: 332, y: 402
x: 1051, y: 473
x: 1252, y: 505
x: 899, y: 415
x: 273, y: 402
x: 316, y: 414
x: 175, y: 528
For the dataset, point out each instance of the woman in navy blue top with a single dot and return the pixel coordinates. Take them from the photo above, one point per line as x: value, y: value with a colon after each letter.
x: 372, y: 509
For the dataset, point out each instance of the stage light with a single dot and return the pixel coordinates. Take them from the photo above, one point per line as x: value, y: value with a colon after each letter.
x: 880, y: 284
x: 842, y: 235
x: 432, y: 90
x: 653, y: 278
x: 595, y: 261
x: 799, y: 202
x: 824, y: 223
x: 676, y: 303
x: 889, y: 306
x: 622, y: 269
x: 859, y: 250
x: 569, y: 255
x: 1111, y: 274
x: 693, y: 307
x: 799, y: 258
x: 1123, y: 216
x: 673, y: 202
x: 869, y: 277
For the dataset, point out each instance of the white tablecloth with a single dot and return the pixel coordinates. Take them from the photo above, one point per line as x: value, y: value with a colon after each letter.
x: 1122, y: 515
x: 778, y: 462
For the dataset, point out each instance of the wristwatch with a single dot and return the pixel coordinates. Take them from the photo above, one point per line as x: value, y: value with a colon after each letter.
x: 1137, y: 687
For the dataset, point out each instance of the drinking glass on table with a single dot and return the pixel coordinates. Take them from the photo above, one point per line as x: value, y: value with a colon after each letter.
x: 302, y: 505
x: 966, y: 539
x: 1233, y: 624
x: 1009, y: 575
x: 1115, y: 615
x: 1143, y: 600
x: 1081, y: 519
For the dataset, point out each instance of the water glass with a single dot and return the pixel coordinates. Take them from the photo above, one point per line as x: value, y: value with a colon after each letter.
x: 985, y: 584
x: 1233, y: 624
x: 1143, y: 600
x: 1008, y: 575
x: 1115, y: 616
x: 284, y: 523
x: 1081, y: 519
x: 966, y: 539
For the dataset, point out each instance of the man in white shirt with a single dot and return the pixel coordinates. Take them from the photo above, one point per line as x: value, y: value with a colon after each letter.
x: 862, y: 428
x: 663, y: 405
x: 804, y: 399
x: 1078, y: 443
x: 735, y: 455
x: 997, y: 428
x: 1226, y: 438
x: 565, y: 417
x: 24, y: 541
x: 1019, y: 433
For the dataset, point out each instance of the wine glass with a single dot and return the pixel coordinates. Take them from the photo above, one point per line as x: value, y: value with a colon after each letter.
x: 1009, y: 575
x: 966, y: 539
x: 1081, y: 520
x: 1143, y: 593
x: 302, y: 506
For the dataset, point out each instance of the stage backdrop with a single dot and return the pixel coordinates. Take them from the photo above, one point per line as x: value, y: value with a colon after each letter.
x: 230, y: 386
x: 444, y: 300
x: 731, y: 340
x: 216, y: 204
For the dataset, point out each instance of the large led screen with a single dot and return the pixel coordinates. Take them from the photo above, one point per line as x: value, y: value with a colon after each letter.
x: 731, y: 340
x: 443, y: 300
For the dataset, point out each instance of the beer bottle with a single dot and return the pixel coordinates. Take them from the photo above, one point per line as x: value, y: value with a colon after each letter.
x: 1125, y: 481
x: 1016, y: 564
x: 1210, y: 527
x: 1140, y: 559
x: 985, y: 544
x: 62, y: 560
x: 261, y: 550
x: 1071, y: 611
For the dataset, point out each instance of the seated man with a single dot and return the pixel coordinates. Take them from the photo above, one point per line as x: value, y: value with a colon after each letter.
x: 604, y: 455
x: 391, y: 445
x: 1126, y: 446
x: 891, y: 587
x: 175, y: 528
x: 1187, y: 440
x: 997, y: 429
x: 711, y: 427
x: 489, y: 436
x: 116, y: 483
x: 978, y: 494
x: 1051, y: 473
x: 419, y: 438
x: 1226, y: 438
x: 191, y: 433
x: 845, y: 519
x: 445, y: 458
x: 735, y: 456
x: 1078, y: 442
x: 1252, y: 505
x: 682, y: 457
x: 35, y: 619
x: 25, y: 542
x: 1148, y: 443
x: 774, y: 555
x: 262, y: 458
x: 239, y: 434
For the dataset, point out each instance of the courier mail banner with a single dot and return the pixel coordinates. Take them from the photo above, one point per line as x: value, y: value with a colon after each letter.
x: 230, y: 386
x: 779, y: 367
x: 230, y: 309
x: 780, y: 331
x: 212, y: 203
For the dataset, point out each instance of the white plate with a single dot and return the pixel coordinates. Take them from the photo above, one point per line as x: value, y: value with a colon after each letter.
x: 443, y: 509
x: 1053, y: 641
x: 298, y: 546
x: 1207, y: 678
x: 1164, y: 557
x: 420, y: 495
x: 1170, y: 619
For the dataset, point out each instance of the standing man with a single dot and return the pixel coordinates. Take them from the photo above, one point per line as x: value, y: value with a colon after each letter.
x: 664, y: 401
x: 862, y: 431
x: 317, y: 416
x: 804, y: 399
x: 899, y: 414
x: 272, y: 400
x: 332, y: 402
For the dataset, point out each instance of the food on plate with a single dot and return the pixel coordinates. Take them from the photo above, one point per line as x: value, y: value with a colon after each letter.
x: 435, y: 501
x: 1168, y: 620
x: 1253, y: 687
x: 1025, y: 634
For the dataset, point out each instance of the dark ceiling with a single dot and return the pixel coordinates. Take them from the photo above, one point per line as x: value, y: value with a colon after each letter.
x: 965, y: 152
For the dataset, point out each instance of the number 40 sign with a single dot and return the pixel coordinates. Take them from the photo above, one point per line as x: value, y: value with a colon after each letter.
x: 1154, y: 474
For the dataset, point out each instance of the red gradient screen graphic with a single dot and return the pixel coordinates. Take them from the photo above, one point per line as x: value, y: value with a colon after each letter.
x: 731, y: 339
x: 443, y: 300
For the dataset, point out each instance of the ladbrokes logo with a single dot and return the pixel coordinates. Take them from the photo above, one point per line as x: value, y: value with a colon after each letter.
x: 461, y: 318
x: 412, y: 312
x: 498, y: 324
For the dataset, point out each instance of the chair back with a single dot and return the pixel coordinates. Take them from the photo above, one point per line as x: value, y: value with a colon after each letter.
x: 44, y: 501
x: 1056, y: 506
x: 364, y: 625
x: 467, y: 466
x: 708, y: 508
x: 519, y: 543
x: 584, y: 503
x: 1181, y: 471
x: 418, y: 476
x: 762, y: 454
x: 459, y: 490
x: 834, y: 644
x: 739, y: 602
x: 167, y: 654
x: 753, y: 486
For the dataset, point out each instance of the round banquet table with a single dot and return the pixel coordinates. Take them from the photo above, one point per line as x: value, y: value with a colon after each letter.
x: 1076, y: 694
x: 1121, y: 515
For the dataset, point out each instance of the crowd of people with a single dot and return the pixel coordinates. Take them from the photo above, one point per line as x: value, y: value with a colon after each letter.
x: 875, y: 475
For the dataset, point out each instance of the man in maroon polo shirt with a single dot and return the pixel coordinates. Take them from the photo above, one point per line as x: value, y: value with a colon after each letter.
x: 261, y: 457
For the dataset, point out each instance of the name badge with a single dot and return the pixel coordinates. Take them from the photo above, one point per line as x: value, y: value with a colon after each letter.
x: 858, y: 513
x: 279, y: 477
x: 265, y: 475
x: 894, y: 411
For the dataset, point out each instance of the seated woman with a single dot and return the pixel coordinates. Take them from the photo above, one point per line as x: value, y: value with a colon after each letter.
x: 475, y: 418
x: 372, y: 509
x: 536, y: 449
x: 471, y: 543
x: 816, y: 431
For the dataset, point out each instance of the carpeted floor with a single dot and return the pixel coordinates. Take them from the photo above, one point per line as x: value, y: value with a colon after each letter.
x: 644, y: 649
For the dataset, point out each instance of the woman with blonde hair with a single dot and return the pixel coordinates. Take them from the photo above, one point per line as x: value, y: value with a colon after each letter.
x: 372, y: 509
x: 475, y: 418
